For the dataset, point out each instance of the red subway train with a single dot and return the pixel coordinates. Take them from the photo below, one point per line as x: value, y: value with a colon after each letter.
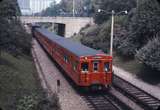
x: 87, y: 67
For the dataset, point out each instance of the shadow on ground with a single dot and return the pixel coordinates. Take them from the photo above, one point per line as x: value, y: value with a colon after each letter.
x: 5, y: 62
x: 149, y: 75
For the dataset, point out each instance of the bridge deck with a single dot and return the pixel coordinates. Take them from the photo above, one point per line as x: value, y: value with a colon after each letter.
x: 76, y: 48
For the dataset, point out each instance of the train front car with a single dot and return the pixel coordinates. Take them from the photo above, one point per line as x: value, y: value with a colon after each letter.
x: 96, y: 71
x: 87, y: 67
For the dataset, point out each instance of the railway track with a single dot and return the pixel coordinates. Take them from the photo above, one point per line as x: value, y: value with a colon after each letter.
x: 104, y: 101
x: 142, y: 98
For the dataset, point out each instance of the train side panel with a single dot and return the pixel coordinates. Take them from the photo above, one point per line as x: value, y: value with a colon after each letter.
x: 65, y: 59
x: 72, y: 64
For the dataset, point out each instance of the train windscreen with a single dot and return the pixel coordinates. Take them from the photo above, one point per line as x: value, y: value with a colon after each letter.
x: 84, y: 67
x: 95, y: 66
x: 106, y: 67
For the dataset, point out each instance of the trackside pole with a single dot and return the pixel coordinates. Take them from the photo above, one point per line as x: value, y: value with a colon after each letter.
x: 112, y: 33
x: 58, y: 85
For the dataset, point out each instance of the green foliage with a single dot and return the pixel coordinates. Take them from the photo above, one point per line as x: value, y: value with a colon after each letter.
x: 9, y: 9
x: 98, y: 36
x: 89, y: 35
x: 13, y: 37
x: 32, y: 102
x: 27, y: 103
x: 65, y: 8
x: 53, y: 10
x: 150, y: 53
x: 20, y: 88
x: 51, y: 103
x: 142, y: 27
x: 116, y: 5
x: 16, y: 79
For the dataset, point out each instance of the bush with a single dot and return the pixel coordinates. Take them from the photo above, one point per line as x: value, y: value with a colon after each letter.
x: 52, y: 103
x: 33, y: 102
x: 97, y: 37
x: 150, y: 54
x: 88, y: 35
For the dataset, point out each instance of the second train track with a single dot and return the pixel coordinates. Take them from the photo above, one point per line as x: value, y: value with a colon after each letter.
x: 139, y: 96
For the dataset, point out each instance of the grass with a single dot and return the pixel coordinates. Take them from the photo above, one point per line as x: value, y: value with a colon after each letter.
x: 18, y: 83
x: 142, y: 71
x: 16, y: 79
x: 130, y: 65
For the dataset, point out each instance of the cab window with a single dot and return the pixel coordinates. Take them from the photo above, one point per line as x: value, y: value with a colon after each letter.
x: 84, y: 67
x: 95, y: 66
x: 106, y: 67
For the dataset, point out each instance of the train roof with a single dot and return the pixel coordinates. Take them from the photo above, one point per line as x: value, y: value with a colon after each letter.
x: 76, y: 48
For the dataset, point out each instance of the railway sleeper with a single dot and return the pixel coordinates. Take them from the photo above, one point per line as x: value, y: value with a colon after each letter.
x: 141, y: 94
x: 130, y: 89
x: 135, y: 92
x: 136, y: 99
x: 149, y: 101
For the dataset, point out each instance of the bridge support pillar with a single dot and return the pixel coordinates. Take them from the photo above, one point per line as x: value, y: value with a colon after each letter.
x: 73, y: 28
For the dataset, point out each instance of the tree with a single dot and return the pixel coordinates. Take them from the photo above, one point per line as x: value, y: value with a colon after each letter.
x: 65, y: 8
x: 143, y: 25
x: 12, y: 36
x: 150, y: 53
x: 116, y: 5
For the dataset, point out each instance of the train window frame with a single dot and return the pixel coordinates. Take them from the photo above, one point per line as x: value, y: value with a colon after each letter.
x: 74, y: 65
x: 66, y: 59
x: 108, y: 64
x: 83, y: 70
x: 97, y: 66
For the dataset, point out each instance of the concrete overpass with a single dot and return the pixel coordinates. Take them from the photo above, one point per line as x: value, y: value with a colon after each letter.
x: 71, y: 25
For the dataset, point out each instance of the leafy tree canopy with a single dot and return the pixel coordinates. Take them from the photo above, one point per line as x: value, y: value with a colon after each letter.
x: 116, y: 5
x: 12, y: 36
x: 65, y: 8
x: 142, y: 26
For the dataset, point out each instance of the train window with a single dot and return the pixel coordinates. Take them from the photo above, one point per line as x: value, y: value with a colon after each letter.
x: 74, y: 65
x: 66, y: 59
x: 106, y: 67
x: 84, y: 67
x: 95, y: 66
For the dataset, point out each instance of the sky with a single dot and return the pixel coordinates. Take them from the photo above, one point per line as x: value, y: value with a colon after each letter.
x: 34, y: 6
x: 58, y: 1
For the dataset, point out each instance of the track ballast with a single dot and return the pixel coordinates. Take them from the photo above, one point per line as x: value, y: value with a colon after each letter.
x: 142, y: 98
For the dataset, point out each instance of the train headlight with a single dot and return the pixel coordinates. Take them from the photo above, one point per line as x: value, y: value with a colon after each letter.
x: 85, y: 58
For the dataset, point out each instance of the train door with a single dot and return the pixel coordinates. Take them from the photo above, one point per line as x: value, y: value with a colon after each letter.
x: 84, y: 67
x: 95, y: 66
x: 95, y: 74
